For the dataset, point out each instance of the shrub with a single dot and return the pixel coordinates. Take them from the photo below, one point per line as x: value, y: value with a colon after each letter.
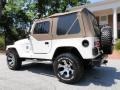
x: 2, y: 43
x: 117, y: 46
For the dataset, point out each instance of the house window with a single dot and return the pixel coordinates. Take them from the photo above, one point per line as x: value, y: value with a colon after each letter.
x: 118, y: 17
x: 103, y: 18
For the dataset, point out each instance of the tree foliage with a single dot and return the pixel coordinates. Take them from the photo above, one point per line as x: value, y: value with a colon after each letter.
x: 48, y: 7
x: 18, y: 14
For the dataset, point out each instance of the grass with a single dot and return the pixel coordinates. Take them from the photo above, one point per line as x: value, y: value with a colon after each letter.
x: 2, y: 43
x: 117, y: 46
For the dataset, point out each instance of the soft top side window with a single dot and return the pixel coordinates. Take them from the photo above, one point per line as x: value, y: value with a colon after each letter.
x: 42, y: 28
x: 68, y: 24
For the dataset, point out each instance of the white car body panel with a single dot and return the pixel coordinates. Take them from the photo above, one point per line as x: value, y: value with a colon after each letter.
x: 39, y: 47
x: 25, y: 48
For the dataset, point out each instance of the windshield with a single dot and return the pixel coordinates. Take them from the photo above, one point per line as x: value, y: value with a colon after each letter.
x: 94, y: 22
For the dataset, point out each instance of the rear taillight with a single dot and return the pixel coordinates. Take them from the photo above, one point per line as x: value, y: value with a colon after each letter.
x: 97, y: 44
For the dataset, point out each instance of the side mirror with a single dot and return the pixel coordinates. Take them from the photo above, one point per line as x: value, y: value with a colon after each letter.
x: 27, y: 32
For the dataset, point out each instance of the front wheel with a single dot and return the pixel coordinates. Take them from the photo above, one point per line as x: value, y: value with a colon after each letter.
x: 13, y: 60
x: 68, y: 68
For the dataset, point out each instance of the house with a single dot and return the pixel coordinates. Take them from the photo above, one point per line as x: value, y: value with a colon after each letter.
x: 106, y: 12
x: 2, y: 4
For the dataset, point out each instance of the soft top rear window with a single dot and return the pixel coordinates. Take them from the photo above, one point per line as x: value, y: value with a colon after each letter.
x: 92, y: 19
x: 68, y: 24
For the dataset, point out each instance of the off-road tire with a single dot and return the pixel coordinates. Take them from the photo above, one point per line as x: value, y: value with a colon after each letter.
x: 77, y: 66
x: 106, y: 39
x: 16, y: 63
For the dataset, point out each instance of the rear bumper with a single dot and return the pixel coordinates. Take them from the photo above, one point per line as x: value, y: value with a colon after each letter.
x: 99, y: 59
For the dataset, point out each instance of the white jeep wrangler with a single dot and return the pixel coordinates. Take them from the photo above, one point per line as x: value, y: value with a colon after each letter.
x: 71, y: 40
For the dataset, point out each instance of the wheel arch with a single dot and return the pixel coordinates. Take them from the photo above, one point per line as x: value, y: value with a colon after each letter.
x: 67, y: 49
x: 12, y: 48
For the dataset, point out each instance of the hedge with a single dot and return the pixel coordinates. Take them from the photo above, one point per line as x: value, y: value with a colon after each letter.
x: 117, y: 46
x: 2, y: 43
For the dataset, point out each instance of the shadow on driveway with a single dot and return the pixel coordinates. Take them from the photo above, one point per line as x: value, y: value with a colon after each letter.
x: 39, y: 68
x: 102, y: 76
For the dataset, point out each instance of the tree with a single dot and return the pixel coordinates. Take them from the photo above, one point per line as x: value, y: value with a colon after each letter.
x: 17, y: 16
x: 48, y: 7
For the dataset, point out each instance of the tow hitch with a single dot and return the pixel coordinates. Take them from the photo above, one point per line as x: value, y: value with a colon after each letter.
x: 105, y: 62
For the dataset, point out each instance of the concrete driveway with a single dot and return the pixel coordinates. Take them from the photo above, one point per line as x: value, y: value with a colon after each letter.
x: 41, y: 77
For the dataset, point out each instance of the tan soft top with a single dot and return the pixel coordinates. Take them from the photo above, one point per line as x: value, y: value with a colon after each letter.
x: 65, y: 13
x: 60, y: 14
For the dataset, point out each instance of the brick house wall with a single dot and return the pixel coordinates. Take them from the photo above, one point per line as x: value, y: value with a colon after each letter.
x: 110, y: 22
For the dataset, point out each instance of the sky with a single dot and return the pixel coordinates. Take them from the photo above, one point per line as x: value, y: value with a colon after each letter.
x: 93, y: 1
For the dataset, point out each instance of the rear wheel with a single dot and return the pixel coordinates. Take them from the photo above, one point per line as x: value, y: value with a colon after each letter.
x: 13, y: 60
x: 68, y: 68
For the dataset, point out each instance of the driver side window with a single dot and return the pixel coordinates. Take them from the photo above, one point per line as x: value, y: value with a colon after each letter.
x: 42, y: 28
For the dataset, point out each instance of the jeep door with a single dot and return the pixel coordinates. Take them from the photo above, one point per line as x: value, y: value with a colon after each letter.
x: 41, y: 36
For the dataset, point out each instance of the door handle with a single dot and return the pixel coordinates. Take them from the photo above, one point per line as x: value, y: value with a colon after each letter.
x: 46, y: 42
